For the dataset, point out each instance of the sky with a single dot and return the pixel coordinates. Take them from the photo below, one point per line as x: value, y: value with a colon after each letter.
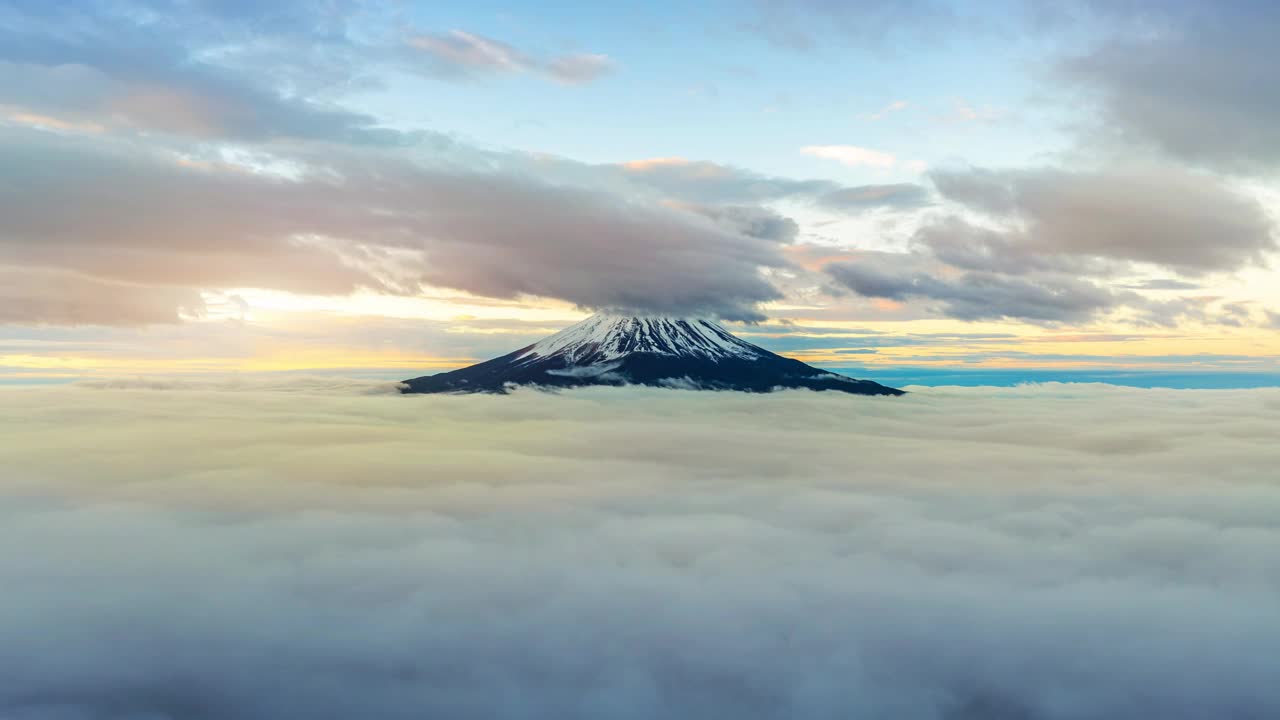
x: 923, y: 190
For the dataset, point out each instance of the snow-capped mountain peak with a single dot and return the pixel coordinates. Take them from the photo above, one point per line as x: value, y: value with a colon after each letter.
x: 604, y: 338
x: 638, y: 350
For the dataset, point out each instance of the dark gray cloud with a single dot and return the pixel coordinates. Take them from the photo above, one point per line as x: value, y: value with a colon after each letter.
x: 1192, y: 80
x: 978, y: 295
x: 983, y: 189
x: 961, y: 244
x: 460, y: 54
x: 867, y: 280
x: 751, y: 220
x: 1047, y: 245
x: 1165, y: 284
x: 710, y: 182
x: 1167, y: 216
x: 505, y: 236
x: 303, y: 550
x: 1235, y: 314
x: 339, y: 221
x: 1204, y: 309
x: 1016, y: 287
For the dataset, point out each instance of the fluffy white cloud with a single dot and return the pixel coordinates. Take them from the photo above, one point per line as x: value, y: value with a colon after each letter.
x: 887, y: 110
x: 1051, y: 552
x: 852, y: 155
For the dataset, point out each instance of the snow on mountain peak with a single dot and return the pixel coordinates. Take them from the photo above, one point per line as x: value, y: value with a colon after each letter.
x: 635, y: 350
x: 604, y: 337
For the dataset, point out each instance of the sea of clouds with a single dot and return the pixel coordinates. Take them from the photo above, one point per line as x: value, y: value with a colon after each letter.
x: 321, y: 549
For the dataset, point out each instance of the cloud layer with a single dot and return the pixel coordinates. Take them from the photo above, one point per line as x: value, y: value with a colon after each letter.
x: 1047, y: 244
x: 1038, y: 553
x: 154, y: 224
x: 202, y: 70
x: 154, y: 153
x: 318, y: 219
x: 1165, y: 216
x: 1188, y: 79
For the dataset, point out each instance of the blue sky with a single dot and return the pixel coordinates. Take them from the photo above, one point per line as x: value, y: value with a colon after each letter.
x: 201, y: 186
x: 701, y: 82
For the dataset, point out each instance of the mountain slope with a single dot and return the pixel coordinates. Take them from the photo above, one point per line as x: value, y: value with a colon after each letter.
x: 656, y: 351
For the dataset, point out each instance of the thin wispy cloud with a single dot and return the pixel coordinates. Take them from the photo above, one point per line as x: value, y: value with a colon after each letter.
x: 852, y: 155
x: 462, y: 54
x: 962, y: 111
x: 579, y: 69
x: 467, y: 52
x: 886, y: 111
x: 899, y: 195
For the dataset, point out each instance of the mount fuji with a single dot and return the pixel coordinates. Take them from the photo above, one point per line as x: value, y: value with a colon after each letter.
x: 656, y: 351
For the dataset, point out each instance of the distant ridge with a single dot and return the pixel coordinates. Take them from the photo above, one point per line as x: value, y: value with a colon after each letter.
x: 656, y: 351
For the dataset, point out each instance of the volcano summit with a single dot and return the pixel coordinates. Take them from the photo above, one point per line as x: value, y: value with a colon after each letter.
x: 656, y: 351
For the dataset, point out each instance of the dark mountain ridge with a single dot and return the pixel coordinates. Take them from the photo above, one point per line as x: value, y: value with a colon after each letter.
x: 655, y: 351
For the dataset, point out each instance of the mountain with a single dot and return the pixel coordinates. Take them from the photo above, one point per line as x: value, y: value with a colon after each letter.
x: 656, y: 351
